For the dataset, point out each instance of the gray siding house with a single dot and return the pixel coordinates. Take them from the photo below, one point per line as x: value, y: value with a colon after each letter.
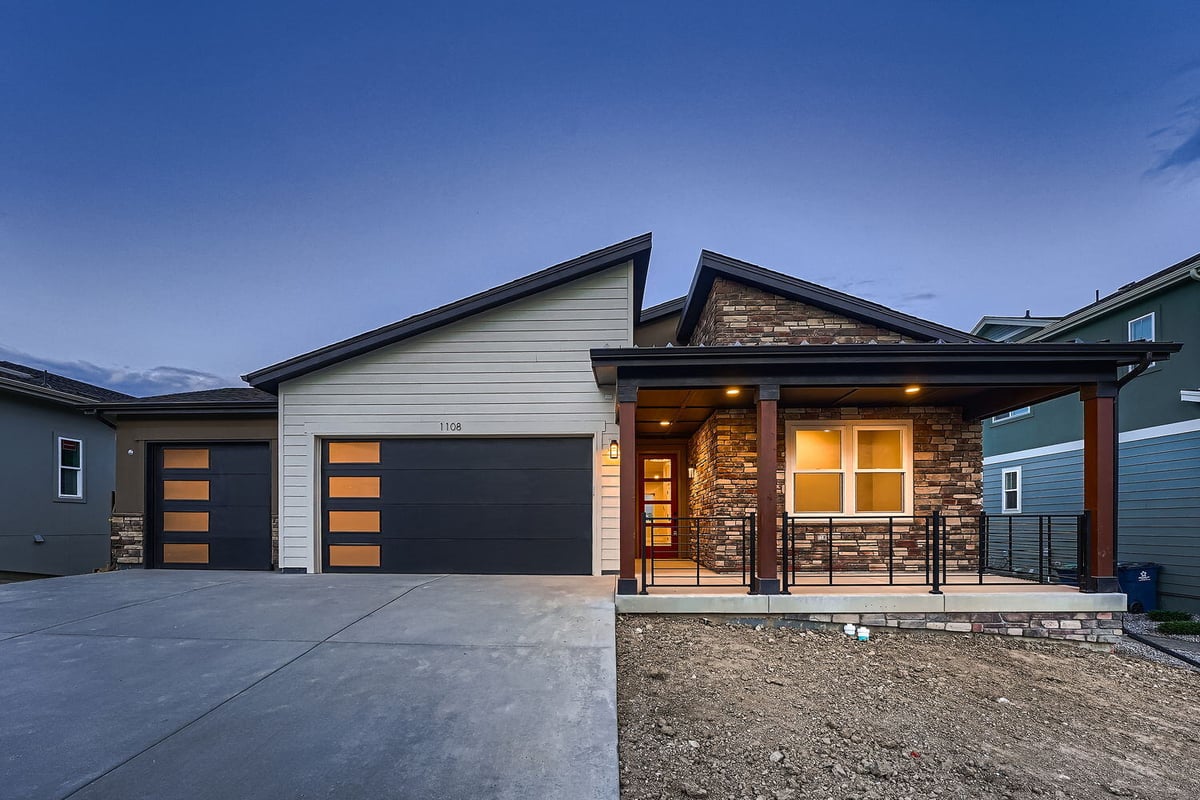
x: 56, y: 473
x: 1034, y: 456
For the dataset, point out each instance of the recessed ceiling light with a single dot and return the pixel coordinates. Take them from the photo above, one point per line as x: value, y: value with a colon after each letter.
x: 912, y: 389
x: 733, y: 391
x: 664, y: 422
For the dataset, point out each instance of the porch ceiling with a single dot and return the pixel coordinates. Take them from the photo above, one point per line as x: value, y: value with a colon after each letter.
x: 686, y: 409
x: 681, y: 386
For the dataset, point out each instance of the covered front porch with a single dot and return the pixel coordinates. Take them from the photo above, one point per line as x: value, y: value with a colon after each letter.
x: 852, y: 470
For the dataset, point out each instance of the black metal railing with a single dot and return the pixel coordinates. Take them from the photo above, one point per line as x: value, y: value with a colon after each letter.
x: 934, y: 549
x: 696, y: 551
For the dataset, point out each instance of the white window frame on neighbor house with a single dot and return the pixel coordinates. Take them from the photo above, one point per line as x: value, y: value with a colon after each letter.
x: 1016, y: 490
x: 60, y: 468
x: 850, y: 465
x: 1024, y: 411
x: 1153, y: 330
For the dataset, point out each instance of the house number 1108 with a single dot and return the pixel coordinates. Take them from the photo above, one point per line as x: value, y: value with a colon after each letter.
x: 451, y: 426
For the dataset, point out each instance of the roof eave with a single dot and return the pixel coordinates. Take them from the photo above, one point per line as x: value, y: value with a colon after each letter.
x: 44, y: 393
x: 1093, y: 358
x: 636, y: 250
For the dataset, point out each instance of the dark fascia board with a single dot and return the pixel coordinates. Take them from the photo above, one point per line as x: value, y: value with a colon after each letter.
x: 661, y: 310
x: 714, y: 265
x: 1017, y: 363
x: 636, y: 250
x: 45, y: 393
x: 216, y: 408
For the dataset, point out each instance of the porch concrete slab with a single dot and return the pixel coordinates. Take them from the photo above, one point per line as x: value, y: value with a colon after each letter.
x: 307, y: 608
x: 505, y: 610
x: 1034, y: 601
x: 855, y: 603
x: 692, y: 604
x: 381, y: 720
x: 75, y: 706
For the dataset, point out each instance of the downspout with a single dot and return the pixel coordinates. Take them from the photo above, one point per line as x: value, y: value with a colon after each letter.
x: 1194, y: 273
x: 1143, y: 364
x: 98, y: 414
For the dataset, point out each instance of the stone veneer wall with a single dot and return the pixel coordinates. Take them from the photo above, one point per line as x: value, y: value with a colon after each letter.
x: 127, y: 540
x: 947, y: 476
x: 738, y: 313
x: 724, y: 453
x: 1095, y: 629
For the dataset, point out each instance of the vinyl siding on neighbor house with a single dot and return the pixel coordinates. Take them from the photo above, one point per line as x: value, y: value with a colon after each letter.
x: 75, y: 530
x: 1159, y: 490
x: 522, y: 369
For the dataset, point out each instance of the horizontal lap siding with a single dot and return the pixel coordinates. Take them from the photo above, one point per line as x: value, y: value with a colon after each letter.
x: 1160, y: 513
x: 522, y: 369
x: 1159, y: 504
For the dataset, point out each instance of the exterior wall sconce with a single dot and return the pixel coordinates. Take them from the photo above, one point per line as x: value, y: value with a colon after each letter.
x: 614, y: 450
x: 691, y: 473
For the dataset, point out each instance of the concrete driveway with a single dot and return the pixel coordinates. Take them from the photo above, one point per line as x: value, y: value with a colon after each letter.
x: 155, y: 684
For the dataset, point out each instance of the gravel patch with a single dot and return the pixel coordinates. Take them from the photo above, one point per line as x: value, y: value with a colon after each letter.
x: 728, y: 711
x: 1129, y: 647
x: 1140, y: 623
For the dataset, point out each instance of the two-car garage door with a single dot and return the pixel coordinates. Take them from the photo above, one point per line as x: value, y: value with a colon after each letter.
x: 515, y: 506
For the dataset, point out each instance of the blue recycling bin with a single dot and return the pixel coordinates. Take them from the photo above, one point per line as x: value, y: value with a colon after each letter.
x: 1139, y: 582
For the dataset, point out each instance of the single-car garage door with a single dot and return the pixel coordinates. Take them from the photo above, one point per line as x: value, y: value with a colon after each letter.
x: 211, y: 506
x: 500, y: 506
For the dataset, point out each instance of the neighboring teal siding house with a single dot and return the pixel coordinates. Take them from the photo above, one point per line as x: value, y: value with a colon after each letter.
x: 1034, y: 459
x: 56, y: 473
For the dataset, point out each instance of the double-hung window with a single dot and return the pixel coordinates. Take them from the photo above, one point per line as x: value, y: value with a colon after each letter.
x: 70, y: 468
x: 1010, y: 491
x: 1142, y: 329
x: 849, y: 468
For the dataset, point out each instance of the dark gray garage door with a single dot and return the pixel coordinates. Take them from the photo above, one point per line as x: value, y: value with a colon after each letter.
x: 499, y: 506
x: 210, y: 506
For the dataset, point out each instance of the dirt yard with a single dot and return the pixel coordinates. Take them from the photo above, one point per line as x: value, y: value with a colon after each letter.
x: 723, y: 711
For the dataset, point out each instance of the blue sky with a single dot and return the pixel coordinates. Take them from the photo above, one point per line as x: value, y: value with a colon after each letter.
x: 189, y: 192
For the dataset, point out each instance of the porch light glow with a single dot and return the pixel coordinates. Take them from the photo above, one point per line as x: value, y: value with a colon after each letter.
x: 733, y: 391
x: 664, y: 422
x: 911, y: 389
x: 614, y: 450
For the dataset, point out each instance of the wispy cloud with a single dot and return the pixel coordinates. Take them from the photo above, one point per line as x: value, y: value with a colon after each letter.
x: 1182, y: 155
x: 918, y: 297
x: 130, y: 380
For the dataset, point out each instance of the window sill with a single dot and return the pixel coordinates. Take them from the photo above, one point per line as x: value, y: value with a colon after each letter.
x: 70, y: 500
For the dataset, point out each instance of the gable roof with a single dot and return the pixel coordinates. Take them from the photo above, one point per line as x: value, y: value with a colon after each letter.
x: 661, y: 310
x: 1003, y: 329
x: 46, y: 384
x: 1130, y: 292
x: 636, y: 250
x: 239, y: 399
x: 714, y: 265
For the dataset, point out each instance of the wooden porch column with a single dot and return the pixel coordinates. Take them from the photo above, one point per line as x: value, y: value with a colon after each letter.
x: 1100, y: 484
x: 766, y: 573
x: 627, y: 419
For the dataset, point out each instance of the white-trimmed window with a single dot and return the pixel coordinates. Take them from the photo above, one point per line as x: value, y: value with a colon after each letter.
x: 1142, y: 329
x: 1010, y: 491
x: 70, y: 468
x: 861, y: 468
x: 1016, y: 412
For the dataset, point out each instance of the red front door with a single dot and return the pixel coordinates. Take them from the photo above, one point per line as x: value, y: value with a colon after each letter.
x: 658, y: 482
